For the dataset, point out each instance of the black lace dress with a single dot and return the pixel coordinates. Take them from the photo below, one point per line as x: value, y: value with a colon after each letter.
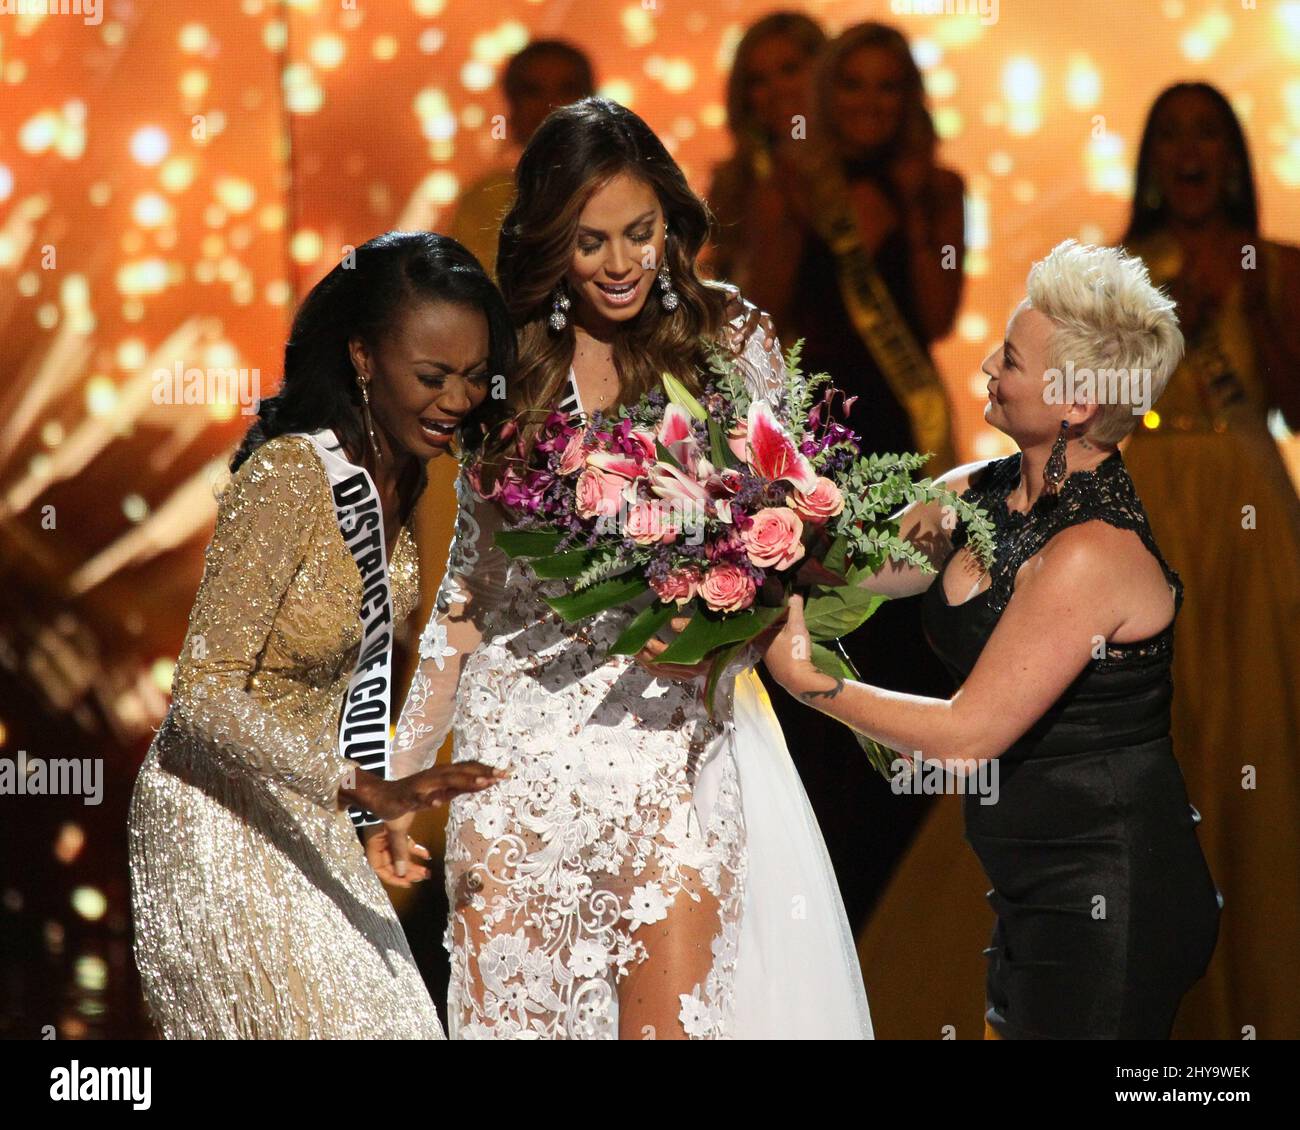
x: 1106, y: 910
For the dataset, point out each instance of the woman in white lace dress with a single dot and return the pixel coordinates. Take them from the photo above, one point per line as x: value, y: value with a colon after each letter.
x: 646, y: 871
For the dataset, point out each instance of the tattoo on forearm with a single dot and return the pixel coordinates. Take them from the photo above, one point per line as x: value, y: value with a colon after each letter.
x: 830, y: 692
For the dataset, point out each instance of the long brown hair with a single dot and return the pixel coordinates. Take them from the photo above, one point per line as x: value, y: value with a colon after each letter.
x: 578, y: 149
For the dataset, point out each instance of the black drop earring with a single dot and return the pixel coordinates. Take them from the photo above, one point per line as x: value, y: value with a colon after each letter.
x: 1054, y: 469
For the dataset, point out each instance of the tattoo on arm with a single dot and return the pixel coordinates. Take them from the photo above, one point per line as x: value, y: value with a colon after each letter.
x: 830, y: 692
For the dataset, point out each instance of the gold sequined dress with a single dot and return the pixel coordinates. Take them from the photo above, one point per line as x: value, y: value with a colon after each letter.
x: 256, y: 913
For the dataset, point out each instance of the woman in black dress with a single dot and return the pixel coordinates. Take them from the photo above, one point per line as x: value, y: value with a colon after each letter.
x: 1059, y: 732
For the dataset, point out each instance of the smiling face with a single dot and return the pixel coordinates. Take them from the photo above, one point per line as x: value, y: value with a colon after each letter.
x: 621, y: 228
x: 776, y: 87
x: 426, y: 375
x: 1017, y: 403
x: 867, y: 97
x: 1191, y: 154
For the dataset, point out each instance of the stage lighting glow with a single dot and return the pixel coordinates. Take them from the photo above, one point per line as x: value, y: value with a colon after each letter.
x: 236, y: 194
x: 306, y: 246
x: 68, y: 843
x: 149, y: 145
x: 145, y: 276
x: 151, y: 211
x: 90, y: 903
x: 302, y: 95
x: 101, y: 396
x: 161, y: 672
x: 638, y: 26
x: 1022, y: 81
x: 327, y: 51
x: 1082, y: 83
x: 193, y: 39
x: 135, y: 508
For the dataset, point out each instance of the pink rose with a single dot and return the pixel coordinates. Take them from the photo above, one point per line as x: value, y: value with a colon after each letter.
x: 728, y: 588
x: 598, y: 493
x: 679, y: 586
x: 773, y: 538
x: 573, y: 455
x: 816, y: 506
x: 738, y: 438
x: 648, y: 523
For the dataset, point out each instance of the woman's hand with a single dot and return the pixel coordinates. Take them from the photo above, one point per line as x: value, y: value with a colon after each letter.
x: 685, y: 672
x: 789, y: 654
x: 389, y: 849
x: 392, y: 799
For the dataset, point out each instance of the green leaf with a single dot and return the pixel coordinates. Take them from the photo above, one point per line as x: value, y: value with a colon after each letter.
x: 648, y: 621
x: 567, y: 564
x: 704, y: 633
x: 719, y: 450
x: 606, y: 594
x: 528, y: 543
x: 836, y: 559
x: 679, y: 394
x: 837, y: 664
x: 834, y: 612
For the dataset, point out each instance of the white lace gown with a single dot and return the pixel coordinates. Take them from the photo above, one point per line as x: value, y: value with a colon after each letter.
x: 637, y: 840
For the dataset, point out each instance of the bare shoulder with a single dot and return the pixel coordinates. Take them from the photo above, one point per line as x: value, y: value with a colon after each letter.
x: 1108, y: 559
x: 948, y: 183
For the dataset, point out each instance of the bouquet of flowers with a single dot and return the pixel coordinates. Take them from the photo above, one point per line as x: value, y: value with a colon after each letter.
x: 720, y: 505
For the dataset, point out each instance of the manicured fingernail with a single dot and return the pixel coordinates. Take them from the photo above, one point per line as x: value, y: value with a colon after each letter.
x: 400, y: 868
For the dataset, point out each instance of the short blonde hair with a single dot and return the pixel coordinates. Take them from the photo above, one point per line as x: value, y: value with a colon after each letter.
x: 1109, y: 317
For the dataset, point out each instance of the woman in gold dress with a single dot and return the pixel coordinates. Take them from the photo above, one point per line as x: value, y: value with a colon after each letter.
x: 256, y: 912
x: 1229, y: 520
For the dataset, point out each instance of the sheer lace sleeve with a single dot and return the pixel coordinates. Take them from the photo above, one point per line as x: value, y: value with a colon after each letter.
x: 473, y: 583
x: 265, y: 521
x: 747, y: 332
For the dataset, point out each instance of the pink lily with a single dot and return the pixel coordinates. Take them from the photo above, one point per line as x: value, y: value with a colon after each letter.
x: 668, y: 482
x: 772, y: 452
x: 615, y: 464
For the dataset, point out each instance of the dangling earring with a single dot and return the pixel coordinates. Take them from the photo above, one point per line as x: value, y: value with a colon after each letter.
x: 668, y: 296
x: 368, y: 420
x: 559, y: 309
x: 668, y: 299
x: 1054, y: 469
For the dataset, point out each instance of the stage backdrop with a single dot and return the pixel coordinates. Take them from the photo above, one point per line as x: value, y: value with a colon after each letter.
x: 174, y: 176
